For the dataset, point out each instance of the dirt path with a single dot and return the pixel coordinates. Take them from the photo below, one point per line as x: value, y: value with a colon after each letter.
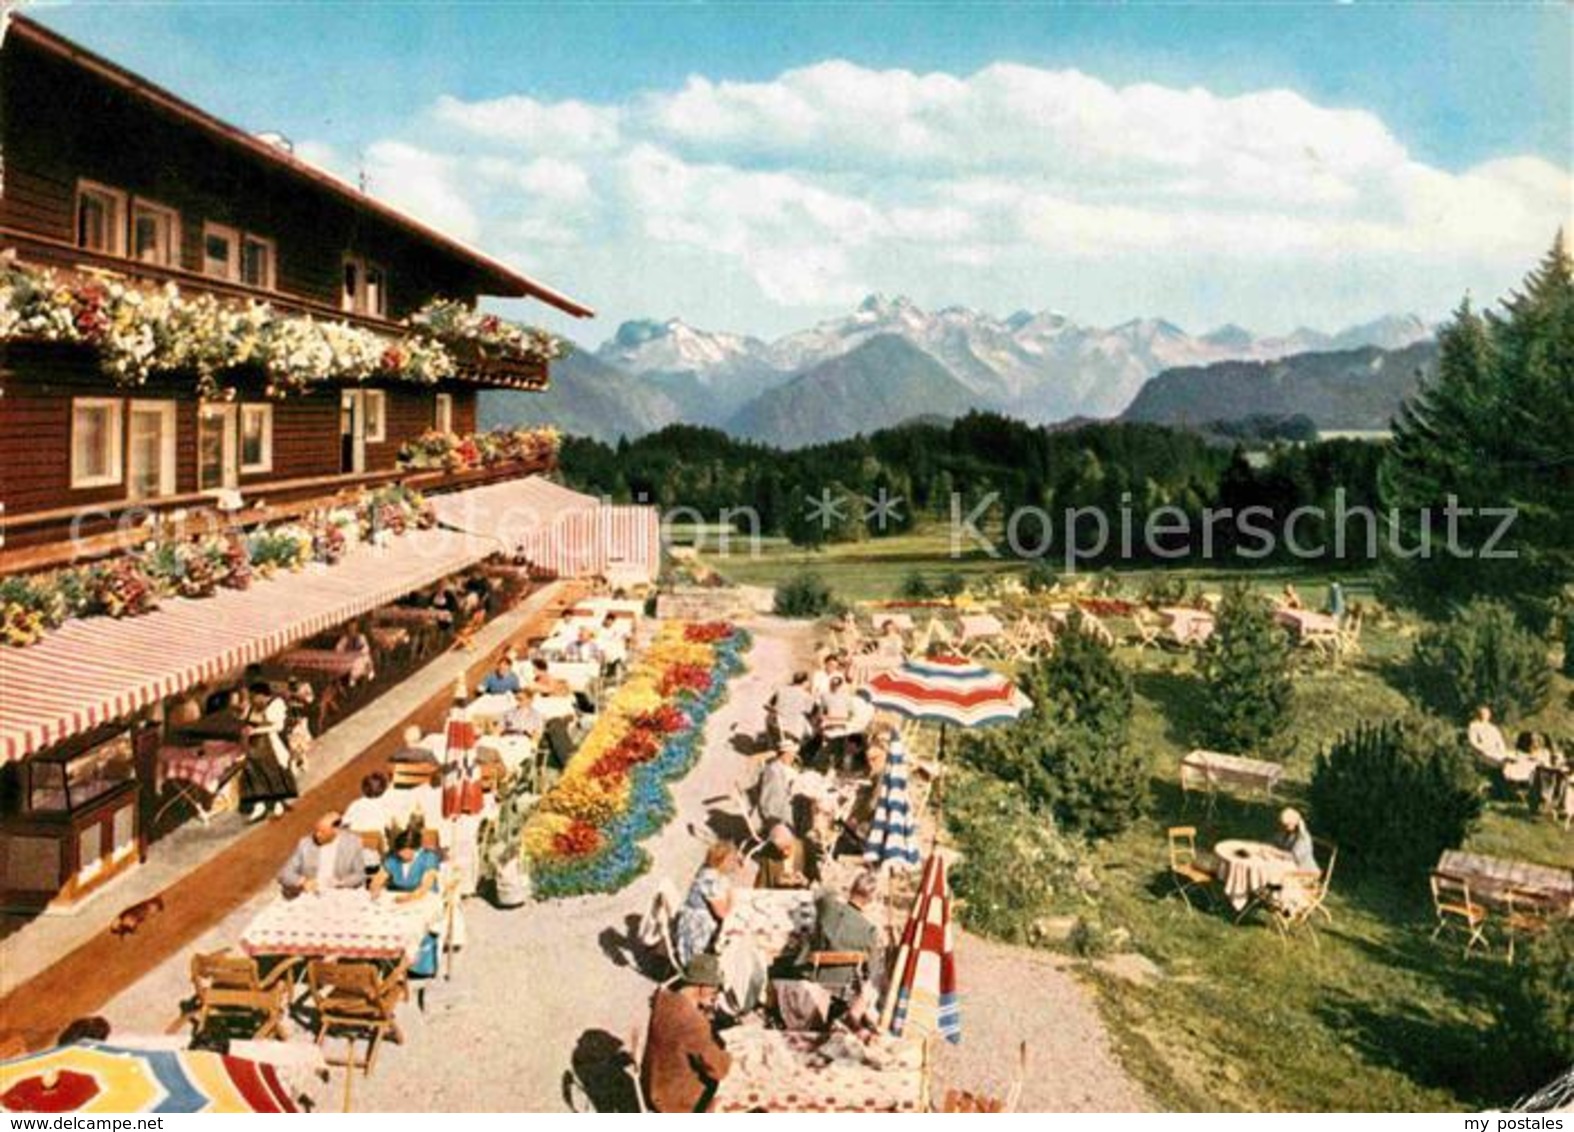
x: 544, y: 998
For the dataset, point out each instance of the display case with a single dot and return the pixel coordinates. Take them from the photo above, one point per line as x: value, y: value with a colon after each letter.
x: 71, y: 820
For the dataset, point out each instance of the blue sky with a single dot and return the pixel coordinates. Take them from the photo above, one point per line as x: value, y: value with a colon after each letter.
x: 1106, y: 161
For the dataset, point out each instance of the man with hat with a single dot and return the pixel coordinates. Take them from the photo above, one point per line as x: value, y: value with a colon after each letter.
x: 684, y: 1063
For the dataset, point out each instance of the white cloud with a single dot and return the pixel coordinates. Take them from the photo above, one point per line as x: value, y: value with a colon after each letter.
x: 1004, y: 188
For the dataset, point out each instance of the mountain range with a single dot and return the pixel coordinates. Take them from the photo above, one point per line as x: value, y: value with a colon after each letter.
x: 889, y: 360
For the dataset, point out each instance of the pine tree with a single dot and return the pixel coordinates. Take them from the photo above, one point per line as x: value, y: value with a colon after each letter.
x: 1245, y: 669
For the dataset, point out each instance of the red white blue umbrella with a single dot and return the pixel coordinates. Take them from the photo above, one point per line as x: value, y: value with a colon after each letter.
x: 947, y: 690
x: 893, y: 835
x: 926, y: 992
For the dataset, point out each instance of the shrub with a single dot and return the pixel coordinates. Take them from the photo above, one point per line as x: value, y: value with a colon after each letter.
x: 1039, y: 578
x: 1481, y: 656
x: 1394, y: 796
x: 1568, y: 644
x: 916, y: 586
x: 1245, y: 669
x: 1071, y: 753
x: 804, y: 595
x: 1542, y: 1004
x: 952, y: 584
x: 1164, y: 589
x: 1015, y: 866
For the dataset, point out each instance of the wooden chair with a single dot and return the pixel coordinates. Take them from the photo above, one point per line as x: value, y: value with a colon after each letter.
x: 755, y: 839
x: 1148, y: 628
x: 855, y: 962
x: 1456, y: 910
x: 636, y: 1049
x: 656, y: 927
x: 1350, y: 636
x: 232, y: 987
x: 1526, y: 915
x: 357, y: 996
x: 1185, y: 873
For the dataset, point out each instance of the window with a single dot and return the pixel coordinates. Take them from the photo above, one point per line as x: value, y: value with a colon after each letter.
x: 376, y: 416
x: 256, y: 262
x: 101, y: 218
x: 155, y: 234
x: 365, y: 288
x: 256, y: 438
x: 95, y: 442
x: 443, y: 418
x: 216, y: 447
x: 220, y: 251
x: 151, y: 444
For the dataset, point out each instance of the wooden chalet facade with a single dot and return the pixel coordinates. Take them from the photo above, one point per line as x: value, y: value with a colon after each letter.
x: 109, y: 175
x: 110, y: 179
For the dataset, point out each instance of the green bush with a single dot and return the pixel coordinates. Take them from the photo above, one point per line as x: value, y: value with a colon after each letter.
x: 951, y: 584
x: 1394, y: 796
x: 1071, y: 753
x: 916, y: 587
x: 1568, y: 644
x: 1482, y: 655
x: 1039, y: 578
x: 804, y: 595
x: 1245, y: 668
x: 1164, y: 589
x: 1015, y: 866
x: 1541, y: 1009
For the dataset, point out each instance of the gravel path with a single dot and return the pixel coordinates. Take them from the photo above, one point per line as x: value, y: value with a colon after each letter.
x: 544, y: 998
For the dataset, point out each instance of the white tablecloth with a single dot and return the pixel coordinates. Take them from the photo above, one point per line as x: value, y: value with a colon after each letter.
x: 343, y: 922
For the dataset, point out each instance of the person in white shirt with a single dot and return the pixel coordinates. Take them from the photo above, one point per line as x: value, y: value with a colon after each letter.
x: 372, y: 813
x: 1486, y: 739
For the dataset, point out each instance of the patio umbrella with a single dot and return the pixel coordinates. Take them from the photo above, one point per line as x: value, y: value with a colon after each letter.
x: 893, y: 835
x: 925, y: 985
x: 100, y: 1077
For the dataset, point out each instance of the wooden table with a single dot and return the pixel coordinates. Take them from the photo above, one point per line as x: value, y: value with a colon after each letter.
x: 1208, y: 770
x: 349, y: 665
x: 1188, y: 626
x: 1491, y: 879
x: 344, y: 923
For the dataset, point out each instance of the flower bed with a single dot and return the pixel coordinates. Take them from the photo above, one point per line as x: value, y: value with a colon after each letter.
x: 584, y: 837
x: 31, y: 605
x: 141, y: 330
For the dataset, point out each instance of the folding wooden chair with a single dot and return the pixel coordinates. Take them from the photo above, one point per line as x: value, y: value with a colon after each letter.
x: 656, y: 927
x: 1456, y: 910
x: 755, y: 840
x: 636, y: 1049
x: 1148, y: 629
x: 1186, y: 875
x: 1526, y: 916
x: 232, y: 987
x: 359, y: 997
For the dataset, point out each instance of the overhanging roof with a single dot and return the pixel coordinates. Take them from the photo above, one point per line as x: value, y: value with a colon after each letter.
x: 507, y: 282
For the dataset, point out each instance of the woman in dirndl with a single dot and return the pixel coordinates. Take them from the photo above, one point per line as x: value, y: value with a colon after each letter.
x: 266, y: 783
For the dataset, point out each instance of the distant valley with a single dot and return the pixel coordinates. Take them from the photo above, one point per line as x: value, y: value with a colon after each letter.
x: 889, y: 360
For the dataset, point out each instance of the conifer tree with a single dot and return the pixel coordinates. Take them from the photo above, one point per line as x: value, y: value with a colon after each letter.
x: 1245, y: 669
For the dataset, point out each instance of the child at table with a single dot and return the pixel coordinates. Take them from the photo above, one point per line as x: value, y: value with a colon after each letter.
x: 410, y: 871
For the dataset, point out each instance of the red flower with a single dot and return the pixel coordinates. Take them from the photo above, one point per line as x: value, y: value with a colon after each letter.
x: 685, y: 677
x: 580, y: 839
x: 393, y: 359
x: 665, y: 720
x: 708, y: 632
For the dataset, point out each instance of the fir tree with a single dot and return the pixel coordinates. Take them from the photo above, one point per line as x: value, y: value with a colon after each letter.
x: 1245, y: 668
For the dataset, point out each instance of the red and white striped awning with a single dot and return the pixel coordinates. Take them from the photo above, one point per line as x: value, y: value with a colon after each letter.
x: 562, y: 533
x: 99, y: 669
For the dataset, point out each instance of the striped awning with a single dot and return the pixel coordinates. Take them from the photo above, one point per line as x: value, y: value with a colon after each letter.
x: 99, y: 669
x: 560, y: 532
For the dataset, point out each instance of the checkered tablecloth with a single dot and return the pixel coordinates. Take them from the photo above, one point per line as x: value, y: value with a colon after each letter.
x: 345, y: 923
x: 1188, y: 626
x: 206, y: 767
x: 411, y: 615
x: 346, y: 665
x: 776, y: 1071
x: 389, y: 637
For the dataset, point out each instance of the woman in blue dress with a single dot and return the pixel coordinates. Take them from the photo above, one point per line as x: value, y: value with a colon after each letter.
x: 708, y: 901
x: 410, y: 871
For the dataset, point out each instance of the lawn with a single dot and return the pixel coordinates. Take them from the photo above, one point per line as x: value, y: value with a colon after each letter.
x: 1375, y: 1016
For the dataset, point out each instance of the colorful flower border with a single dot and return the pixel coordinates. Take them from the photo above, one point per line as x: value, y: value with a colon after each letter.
x: 584, y: 837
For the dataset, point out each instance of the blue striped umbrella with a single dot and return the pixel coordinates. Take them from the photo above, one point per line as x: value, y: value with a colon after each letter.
x: 893, y: 836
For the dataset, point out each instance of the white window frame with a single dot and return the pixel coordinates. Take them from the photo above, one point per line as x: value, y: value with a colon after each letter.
x: 379, y: 417
x: 265, y: 411
x: 270, y: 275
x: 358, y: 301
x: 443, y: 413
x: 117, y: 224
x: 232, y: 267
x: 116, y: 462
x: 171, y: 235
x: 167, y: 445
x: 229, y: 448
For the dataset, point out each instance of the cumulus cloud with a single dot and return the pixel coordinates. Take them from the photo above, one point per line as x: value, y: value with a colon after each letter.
x: 835, y: 178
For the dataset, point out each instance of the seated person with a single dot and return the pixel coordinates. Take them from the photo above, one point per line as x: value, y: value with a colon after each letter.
x: 353, y: 639
x: 326, y: 858
x: 583, y: 648
x: 1486, y: 739
x: 410, y: 871
x: 836, y: 716
x: 1290, y: 598
x: 789, y: 714
x: 1295, y: 839
x: 523, y: 718
x: 684, y: 1063
x: 775, y: 788
x: 370, y: 813
x: 840, y: 925
x: 413, y: 751
x: 783, y: 862
x: 891, y: 646
x: 501, y: 681
x: 820, y: 682
x: 543, y: 683
x: 708, y: 902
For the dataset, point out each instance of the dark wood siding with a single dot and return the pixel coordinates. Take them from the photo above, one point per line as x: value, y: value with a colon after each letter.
x: 61, y: 123
x: 464, y: 411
